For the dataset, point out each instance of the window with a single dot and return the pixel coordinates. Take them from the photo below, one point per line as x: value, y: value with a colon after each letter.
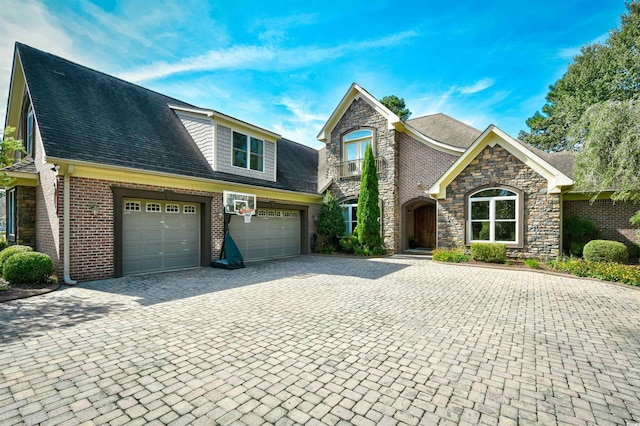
x: 132, y: 206
x: 28, y: 141
x: 493, y: 216
x: 248, y: 152
x: 354, y: 146
x: 350, y: 216
x: 11, y: 213
x: 153, y: 208
x: 188, y: 209
x: 172, y: 208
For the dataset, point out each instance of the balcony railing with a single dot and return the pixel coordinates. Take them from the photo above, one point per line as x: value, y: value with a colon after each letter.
x: 354, y: 167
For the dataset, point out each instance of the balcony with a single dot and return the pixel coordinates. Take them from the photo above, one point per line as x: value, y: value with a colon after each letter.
x: 353, y: 168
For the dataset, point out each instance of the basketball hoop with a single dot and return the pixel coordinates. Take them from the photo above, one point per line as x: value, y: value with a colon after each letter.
x: 247, y: 213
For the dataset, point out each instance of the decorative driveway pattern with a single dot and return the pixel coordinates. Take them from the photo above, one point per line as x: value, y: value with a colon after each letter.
x: 321, y: 340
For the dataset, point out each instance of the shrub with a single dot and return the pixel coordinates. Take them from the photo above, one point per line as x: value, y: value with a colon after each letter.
x: 368, y: 208
x: 576, y: 232
x: 605, y: 251
x: 605, y: 271
x: 330, y: 221
x: 532, y: 263
x: 28, y: 267
x: 452, y: 255
x: 369, y: 251
x: 350, y: 243
x: 3, y: 243
x: 10, y: 251
x: 489, y: 252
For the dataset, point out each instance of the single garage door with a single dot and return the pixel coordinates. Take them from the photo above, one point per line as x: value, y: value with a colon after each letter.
x: 271, y: 233
x: 159, y: 236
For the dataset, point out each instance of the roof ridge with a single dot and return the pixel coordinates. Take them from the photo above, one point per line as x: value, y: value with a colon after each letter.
x: 450, y: 117
x: 23, y: 45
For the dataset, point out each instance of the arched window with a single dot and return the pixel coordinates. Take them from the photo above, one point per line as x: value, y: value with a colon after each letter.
x: 354, y: 146
x: 493, y: 216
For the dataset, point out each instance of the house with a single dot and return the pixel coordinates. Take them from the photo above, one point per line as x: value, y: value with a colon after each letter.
x: 443, y: 183
x: 118, y: 179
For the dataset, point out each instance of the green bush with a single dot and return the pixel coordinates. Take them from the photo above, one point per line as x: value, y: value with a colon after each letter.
x: 615, y: 272
x: 605, y: 251
x: 489, y: 252
x: 28, y: 267
x: 330, y: 221
x: 452, y: 255
x: 370, y: 251
x: 532, y: 263
x: 350, y: 243
x: 3, y: 243
x: 576, y: 232
x: 10, y: 251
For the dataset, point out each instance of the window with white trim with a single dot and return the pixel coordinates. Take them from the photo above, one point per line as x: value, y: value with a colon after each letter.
x: 11, y: 212
x: 172, y: 208
x: 248, y: 152
x: 354, y: 146
x: 350, y: 216
x: 493, y: 216
x: 189, y: 209
x: 132, y: 206
x: 153, y: 208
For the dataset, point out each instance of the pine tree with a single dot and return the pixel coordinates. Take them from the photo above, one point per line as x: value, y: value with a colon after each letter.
x: 368, y: 227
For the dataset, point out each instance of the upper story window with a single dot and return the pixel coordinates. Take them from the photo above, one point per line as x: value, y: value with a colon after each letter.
x: 354, y: 145
x: 30, y: 131
x: 248, y: 152
x: 493, y: 216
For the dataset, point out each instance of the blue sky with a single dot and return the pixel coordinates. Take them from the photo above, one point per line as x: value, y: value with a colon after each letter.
x: 285, y: 65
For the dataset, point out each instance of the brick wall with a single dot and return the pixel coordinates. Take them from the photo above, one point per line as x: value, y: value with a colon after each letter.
x: 420, y: 166
x: 496, y: 166
x: 612, y: 219
x: 91, y: 236
x: 201, y: 130
x: 361, y: 115
x: 224, y: 150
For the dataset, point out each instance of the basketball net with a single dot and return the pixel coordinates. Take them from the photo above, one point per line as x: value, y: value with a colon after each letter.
x: 247, y: 213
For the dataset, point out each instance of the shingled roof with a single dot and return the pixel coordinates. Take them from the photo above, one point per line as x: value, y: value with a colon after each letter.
x: 445, y: 129
x: 86, y: 115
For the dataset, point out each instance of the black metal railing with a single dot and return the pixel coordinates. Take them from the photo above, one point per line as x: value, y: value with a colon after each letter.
x: 354, y: 167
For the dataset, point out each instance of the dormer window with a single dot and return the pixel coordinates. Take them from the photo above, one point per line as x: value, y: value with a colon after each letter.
x: 248, y: 152
x: 354, y: 146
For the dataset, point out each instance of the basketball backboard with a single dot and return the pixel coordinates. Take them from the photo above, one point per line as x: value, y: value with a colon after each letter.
x: 239, y: 203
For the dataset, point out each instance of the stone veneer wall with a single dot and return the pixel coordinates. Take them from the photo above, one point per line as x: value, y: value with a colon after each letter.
x: 26, y: 216
x: 612, y: 219
x: 496, y: 166
x: 361, y: 115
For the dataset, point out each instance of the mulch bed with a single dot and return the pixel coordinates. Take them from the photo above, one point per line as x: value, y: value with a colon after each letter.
x: 21, y: 291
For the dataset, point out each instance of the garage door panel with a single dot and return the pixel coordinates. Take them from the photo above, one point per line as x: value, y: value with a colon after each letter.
x: 266, y: 238
x: 160, y: 240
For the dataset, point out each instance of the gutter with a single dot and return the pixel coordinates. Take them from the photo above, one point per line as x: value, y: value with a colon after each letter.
x: 66, y: 226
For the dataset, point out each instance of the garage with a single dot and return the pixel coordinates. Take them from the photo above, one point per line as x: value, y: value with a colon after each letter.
x: 272, y: 233
x: 159, y: 235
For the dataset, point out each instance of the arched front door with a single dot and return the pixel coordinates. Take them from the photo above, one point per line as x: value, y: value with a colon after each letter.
x: 424, y: 226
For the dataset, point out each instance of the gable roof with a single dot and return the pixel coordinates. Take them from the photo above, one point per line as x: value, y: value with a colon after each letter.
x: 445, y: 129
x: 87, y: 116
x: 393, y: 121
x: 556, y: 179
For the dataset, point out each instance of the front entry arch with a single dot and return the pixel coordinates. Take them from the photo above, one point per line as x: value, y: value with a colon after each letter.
x: 420, y: 224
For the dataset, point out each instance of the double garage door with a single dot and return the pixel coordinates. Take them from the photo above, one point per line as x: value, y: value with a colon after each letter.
x: 165, y: 235
x: 272, y: 233
x: 159, y: 236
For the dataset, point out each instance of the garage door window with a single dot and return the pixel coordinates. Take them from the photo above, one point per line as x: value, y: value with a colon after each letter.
x: 189, y: 209
x: 132, y: 206
x: 172, y: 208
x: 153, y: 208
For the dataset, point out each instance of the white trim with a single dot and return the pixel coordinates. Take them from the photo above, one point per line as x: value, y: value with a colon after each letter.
x: 492, y: 215
x: 248, y: 151
x: 556, y: 180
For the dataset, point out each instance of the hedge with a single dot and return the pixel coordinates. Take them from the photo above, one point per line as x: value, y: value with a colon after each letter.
x: 489, y: 252
x: 605, y: 251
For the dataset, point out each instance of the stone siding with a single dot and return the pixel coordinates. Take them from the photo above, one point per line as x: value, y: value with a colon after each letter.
x: 224, y: 152
x: 612, y: 219
x: 26, y: 216
x: 361, y: 115
x: 495, y: 166
x: 201, y: 130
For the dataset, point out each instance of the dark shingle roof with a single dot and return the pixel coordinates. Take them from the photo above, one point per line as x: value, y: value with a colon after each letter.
x: 445, y: 129
x: 564, y: 161
x: 24, y: 166
x: 86, y: 115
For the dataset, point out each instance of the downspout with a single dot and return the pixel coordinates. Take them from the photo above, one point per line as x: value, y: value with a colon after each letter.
x: 66, y: 225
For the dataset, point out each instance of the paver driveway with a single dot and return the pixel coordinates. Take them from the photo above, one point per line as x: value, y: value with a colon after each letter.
x: 320, y: 340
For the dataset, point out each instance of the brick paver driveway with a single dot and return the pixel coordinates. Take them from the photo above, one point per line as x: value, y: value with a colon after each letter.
x: 322, y: 340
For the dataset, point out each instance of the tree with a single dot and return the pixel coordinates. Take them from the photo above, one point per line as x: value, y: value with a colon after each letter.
x: 9, y: 146
x: 397, y: 106
x: 368, y: 227
x: 600, y: 73
x: 330, y: 221
x: 609, y: 157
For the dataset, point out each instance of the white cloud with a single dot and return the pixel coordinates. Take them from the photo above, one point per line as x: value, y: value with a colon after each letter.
x: 571, y: 52
x: 259, y: 58
x: 300, y: 111
x: 479, y: 86
x: 29, y: 22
